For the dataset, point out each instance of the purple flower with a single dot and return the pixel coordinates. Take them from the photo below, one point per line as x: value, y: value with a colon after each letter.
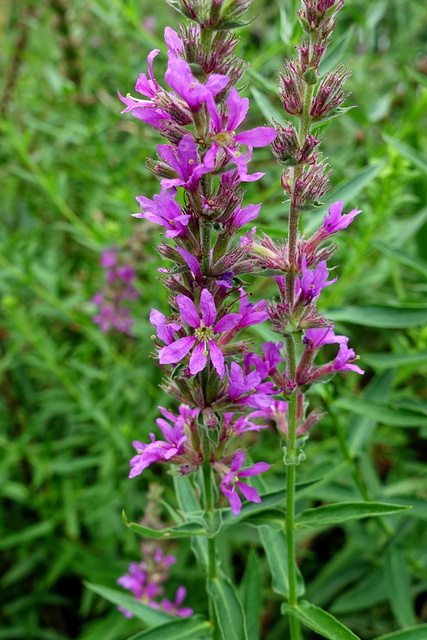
x: 231, y: 481
x: 250, y: 314
x: 178, y: 76
x: 316, y: 338
x: 165, y: 331
x: 243, y: 216
x: 335, y: 221
x: 205, y: 328
x: 344, y: 359
x: 266, y: 365
x: 185, y: 162
x: 159, y: 450
x: 223, y: 134
x: 165, y: 211
x: 312, y: 282
x: 109, y: 258
x: 248, y: 388
x: 175, y: 607
x: 240, y: 425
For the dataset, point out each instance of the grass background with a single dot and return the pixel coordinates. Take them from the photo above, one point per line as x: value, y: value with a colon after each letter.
x: 73, y: 399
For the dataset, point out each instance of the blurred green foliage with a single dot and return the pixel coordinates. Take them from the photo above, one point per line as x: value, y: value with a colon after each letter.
x: 72, y: 399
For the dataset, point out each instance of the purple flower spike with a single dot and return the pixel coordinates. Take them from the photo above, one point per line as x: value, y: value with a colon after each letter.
x: 231, y: 482
x: 335, y: 221
x: 165, y: 211
x: 203, y: 338
x: 156, y: 451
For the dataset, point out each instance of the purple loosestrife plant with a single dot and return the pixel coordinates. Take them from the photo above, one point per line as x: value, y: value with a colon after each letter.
x: 227, y: 389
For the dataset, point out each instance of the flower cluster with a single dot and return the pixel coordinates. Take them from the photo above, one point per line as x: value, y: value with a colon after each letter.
x: 221, y: 384
x: 145, y: 579
x: 119, y: 288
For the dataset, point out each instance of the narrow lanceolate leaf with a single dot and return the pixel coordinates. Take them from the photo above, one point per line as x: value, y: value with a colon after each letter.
x: 319, y: 621
x: 394, y: 360
x: 398, y: 587
x: 384, y: 413
x: 274, y: 543
x: 150, y: 617
x: 381, y: 316
x: 408, y: 152
x: 194, y: 628
x: 415, y: 633
x: 344, y: 511
x: 228, y: 609
x: 181, y: 531
x: 250, y: 590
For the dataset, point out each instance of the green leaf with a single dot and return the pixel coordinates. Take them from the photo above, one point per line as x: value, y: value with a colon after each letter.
x: 361, y: 428
x: 407, y: 152
x: 319, y: 621
x: 184, y: 629
x: 28, y: 534
x: 384, y: 413
x: 251, y: 594
x: 344, y: 511
x: 150, y: 617
x: 394, y: 360
x: 383, y: 317
x: 368, y: 592
x: 185, y: 494
x: 228, y: 609
x: 420, y: 266
x: 415, y: 633
x: 398, y: 587
x: 181, y: 531
x: 274, y: 543
x: 268, y: 111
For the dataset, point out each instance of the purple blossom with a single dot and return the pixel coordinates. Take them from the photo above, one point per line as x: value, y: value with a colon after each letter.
x: 344, y: 359
x: 163, y: 450
x: 243, y: 216
x: 223, y: 133
x: 175, y: 607
x: 178, y: 76
x: 231, y: 482
x: 185, y: 162
x: 317, y: 338
x: 335, y: 221
x: 268, y: 363
x: 248, y: 388
x: 250, y: 314
x: 313, y: 281
x: 165, y: 211
x: 165, y: 330
x: 205, y: 325
x: 240, y: 425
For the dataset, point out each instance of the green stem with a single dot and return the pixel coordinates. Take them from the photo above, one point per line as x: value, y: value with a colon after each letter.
x: 290, y: 491
x: 209, y: 509
x: 206, y: 246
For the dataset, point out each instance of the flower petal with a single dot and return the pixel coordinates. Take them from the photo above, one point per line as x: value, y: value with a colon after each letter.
x: 227, y: 322
x: 198, y: 359
x: 176, y: 351
x: 217, y: 358
x: 249, y: 492
x: 207, y: 308
x: 188, y: 311
x: 259, y: 467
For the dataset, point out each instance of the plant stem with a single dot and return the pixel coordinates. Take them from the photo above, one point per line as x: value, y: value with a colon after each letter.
x: 290, y: 491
